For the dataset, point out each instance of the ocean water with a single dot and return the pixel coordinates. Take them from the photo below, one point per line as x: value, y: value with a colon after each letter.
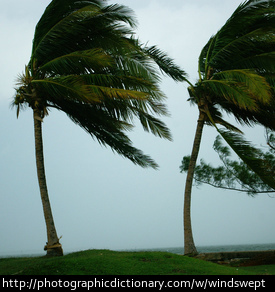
x: 217, y: 248
x: 175, y: 250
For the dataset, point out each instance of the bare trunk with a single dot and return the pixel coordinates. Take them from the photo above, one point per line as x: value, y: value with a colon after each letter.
x: 53, y: 246
x: 189, y: 246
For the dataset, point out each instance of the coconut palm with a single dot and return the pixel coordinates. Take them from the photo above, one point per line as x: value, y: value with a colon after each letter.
x: 237, y: 77
x: 87, y: 63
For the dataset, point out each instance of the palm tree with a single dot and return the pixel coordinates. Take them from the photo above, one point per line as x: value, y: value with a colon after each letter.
x: 87, y: 63
x: 236, y: 76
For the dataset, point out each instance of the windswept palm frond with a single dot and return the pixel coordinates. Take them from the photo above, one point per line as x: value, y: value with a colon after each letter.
x: 232, y: 175
x: 247, y: 35
x: 251, y: 156
x: 243, y: 88
x: 79, y: 62
x: 220, y: 121
x: 166, y: 64
x: 264, y: 116
x: 83, y: 23
x: 108, y: 131
x: 254, y: 84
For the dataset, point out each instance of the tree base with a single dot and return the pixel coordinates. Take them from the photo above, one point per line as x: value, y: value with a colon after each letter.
x: 190, y: 249
x: 54, y: 250
x: 191, y: 255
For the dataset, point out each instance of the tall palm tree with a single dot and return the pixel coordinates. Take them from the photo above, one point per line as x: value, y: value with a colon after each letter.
x: 236, y: 76
x: 86, y: 62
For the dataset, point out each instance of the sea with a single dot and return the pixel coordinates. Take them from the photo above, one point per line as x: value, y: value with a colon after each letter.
x: 175, y: 250
x: 216, y: 248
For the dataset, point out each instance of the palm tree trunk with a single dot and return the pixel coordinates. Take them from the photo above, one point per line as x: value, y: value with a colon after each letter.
x: 53, y: 246
x: 189, y: 246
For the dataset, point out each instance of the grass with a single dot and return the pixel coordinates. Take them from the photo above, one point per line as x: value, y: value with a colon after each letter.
x: 106, y: 262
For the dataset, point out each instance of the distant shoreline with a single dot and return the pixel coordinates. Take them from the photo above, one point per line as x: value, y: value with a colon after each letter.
x: 175, y: 250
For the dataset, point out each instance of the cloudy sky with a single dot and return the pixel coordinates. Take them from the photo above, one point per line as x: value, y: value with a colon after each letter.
x: 99, y: 199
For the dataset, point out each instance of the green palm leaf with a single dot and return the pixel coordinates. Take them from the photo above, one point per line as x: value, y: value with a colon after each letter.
x: 81, y: 62
x: 251, y: 157
x: 256, y: 85
x: 106, y: 129
x: 166, y: 64
x: 243, y: 88
x: 248, y: 33
x: 264, y: 64
x: 83, y: 23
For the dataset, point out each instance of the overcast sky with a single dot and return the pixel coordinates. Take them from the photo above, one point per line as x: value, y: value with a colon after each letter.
x: 99, y: 199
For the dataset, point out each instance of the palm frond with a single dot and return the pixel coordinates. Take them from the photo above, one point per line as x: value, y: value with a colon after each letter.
x: 75, y: 87
x: 263, y: 116
x: 54, y: 13
x: 155, y: 126
x: 227, y: 125
x: 251, y: 156
x: 166, y: 64
x: 232, y: 92
x: 136, y: 64
x: 80, y: 62
x: 243, y: 47
x: 248, y: 32
x: 214, y: 116
x: 79, y: 29
x: 106, y: 129
x: 263, y: 64
x: 253, y: 88
x: 256, y: 85
x: 120, y: 13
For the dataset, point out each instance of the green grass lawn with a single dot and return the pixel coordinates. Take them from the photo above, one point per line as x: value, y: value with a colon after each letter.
x: 106, y: 262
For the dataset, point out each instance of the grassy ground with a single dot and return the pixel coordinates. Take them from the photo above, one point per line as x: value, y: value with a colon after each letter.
x: 106, y: 262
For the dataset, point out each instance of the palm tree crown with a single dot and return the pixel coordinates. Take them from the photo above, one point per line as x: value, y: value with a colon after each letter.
x: 236, y: 69
x: 86, y: 62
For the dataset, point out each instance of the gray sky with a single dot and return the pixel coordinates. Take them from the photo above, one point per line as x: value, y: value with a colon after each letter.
x: 99, y: 199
